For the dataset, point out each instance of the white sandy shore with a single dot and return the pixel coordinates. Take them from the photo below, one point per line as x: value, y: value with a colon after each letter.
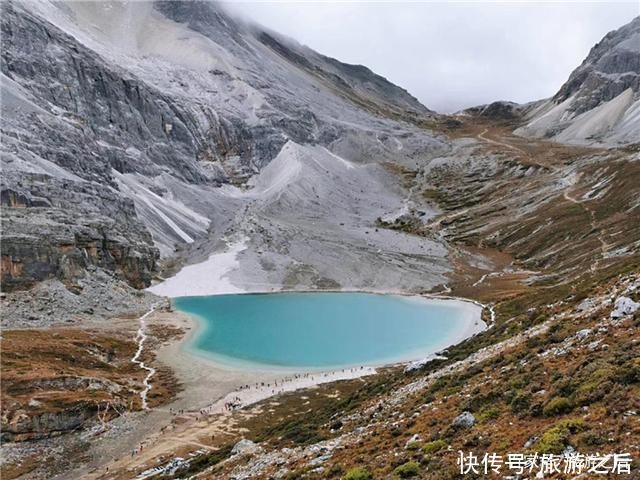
x: 209, y: 385
x: 250, y: 394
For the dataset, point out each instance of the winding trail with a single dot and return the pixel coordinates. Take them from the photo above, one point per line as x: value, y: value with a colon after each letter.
x: 604, y: 246
x: 481, y: 136
x: 141, y: 336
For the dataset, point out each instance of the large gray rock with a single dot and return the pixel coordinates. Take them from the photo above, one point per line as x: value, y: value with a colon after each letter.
x: 464, y: 420
x: 245, y: 447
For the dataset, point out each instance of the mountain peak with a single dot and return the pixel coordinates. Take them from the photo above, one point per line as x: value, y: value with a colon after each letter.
x: 600, y: 102
x: 612, y: 66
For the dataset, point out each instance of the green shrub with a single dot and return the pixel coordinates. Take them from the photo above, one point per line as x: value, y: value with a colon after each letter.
x: 335, y: 471
x: 520, y: 402
x: 407, y: 470
x: 413, y: 445
x: 205, y: 461
x: 554, y: 440
x: 488, y: 413
x: 358, y: 473
x: 563, y: 387
x: 433, y: 447
x: 557, y: 406
x: 629, y: 372
x: 592, y: 392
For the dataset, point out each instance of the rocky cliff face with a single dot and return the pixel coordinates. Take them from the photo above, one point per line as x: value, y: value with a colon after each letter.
x: 122, y: 121
x: 612, y: 66
x: 600, y: 102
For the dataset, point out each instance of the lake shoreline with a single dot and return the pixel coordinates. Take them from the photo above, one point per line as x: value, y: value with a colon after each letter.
x: 206, y: 381
x: 472, y: 324
x: 210, y: 391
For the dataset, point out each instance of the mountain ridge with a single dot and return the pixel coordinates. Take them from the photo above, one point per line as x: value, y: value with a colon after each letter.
x: 600, y: 102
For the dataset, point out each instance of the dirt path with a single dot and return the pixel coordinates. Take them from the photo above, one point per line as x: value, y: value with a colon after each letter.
x: 482, y: 136
x: 604, y: 247
x: 530, y: 158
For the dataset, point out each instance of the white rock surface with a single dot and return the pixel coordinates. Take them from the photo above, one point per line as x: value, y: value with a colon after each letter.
x: 624, y: 306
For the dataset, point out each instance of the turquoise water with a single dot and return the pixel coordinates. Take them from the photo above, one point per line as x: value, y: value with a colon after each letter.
x: 320, y: 330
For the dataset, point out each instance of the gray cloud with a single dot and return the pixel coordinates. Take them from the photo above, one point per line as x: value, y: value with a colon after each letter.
x: 452, y: 55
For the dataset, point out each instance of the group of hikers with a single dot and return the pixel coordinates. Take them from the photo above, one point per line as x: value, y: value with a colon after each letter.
x: 278, y: 386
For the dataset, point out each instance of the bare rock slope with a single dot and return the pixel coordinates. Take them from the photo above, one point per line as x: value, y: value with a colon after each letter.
x: 132, y: 128
x: 600, y: 102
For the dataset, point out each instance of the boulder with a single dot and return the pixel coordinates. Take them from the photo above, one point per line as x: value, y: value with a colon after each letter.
x: 245, y: 447
x: 624, y: 306
x: 464, y: 420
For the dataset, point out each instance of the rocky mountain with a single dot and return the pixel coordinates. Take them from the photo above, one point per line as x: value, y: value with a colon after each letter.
x: 168, y: 143
x: 130, y: 129
x: 600, y: 102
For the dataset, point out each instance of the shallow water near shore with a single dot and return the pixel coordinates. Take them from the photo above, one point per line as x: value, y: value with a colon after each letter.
x: 324, y: 330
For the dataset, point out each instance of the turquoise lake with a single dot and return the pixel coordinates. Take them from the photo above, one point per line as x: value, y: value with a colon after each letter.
x: 323, y: 330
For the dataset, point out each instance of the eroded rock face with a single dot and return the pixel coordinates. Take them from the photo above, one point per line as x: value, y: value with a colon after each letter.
x: 44, y: 243
x: 35, y: 421
x: 600, y: 101
x: 113, y: 146
x: 612, y: 66
x: 23, y: 426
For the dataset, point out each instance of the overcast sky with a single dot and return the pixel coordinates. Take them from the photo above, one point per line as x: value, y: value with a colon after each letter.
x: 452, y: 55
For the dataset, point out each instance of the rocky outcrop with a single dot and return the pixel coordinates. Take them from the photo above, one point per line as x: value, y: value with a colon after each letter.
x: 22, y: 425
x: 41, y: 243
x: 600, y: 102
x: 36, y: 420
x: 612, y: 66
x: 501, y: 110
x: 624, y: 306
x: 245, y: 447
x: 464, y: 420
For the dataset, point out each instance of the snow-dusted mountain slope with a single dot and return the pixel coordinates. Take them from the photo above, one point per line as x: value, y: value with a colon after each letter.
x: 132, y: 128
x: 600, y: 102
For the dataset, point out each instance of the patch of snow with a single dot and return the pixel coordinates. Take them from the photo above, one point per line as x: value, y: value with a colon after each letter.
x: 206, y: 278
